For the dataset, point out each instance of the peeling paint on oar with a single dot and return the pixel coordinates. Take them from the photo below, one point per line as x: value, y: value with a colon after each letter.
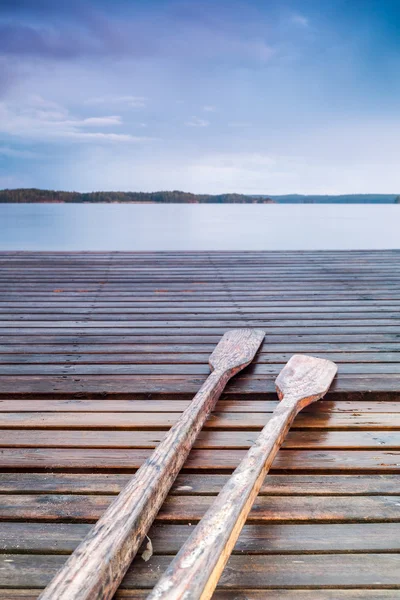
x: 96, y: 568
x: 195, y: 571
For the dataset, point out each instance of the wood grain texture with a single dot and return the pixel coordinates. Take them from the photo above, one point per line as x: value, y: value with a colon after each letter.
x: 98, y: 565
x: 207, y: 439
x: 170, y: 405
x: 204, y: 484
x: 227, y: 420
x: 119, y: 460
x: 261, y: 538
x: 80, y: 508
x: 70, y: 442
x: 374, y: 570
x: 196, y: 570
x: 244, y: 594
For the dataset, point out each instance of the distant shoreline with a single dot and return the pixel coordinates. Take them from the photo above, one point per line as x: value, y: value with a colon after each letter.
x: 32, y: 195
x: 37, y: 196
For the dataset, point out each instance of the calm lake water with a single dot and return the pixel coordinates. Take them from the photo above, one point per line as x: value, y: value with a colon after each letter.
x: 198, y: 227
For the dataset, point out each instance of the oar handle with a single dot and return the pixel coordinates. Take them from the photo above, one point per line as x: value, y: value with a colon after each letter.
x: 195, y: 571
x: 96, y: 568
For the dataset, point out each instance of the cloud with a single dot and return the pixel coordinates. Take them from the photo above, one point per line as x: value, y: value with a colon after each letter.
x: 19, y: 39
x: 261, y: 51
x: 87, y: 30
x: 301, y: 20
x: 48, y: 121
x: 132, y: 101
x: 98, y: 136
x: 209, y: 108
x: 101, y: 121
x: 197, y: 122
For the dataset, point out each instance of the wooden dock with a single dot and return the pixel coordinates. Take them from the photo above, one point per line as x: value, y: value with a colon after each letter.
x: 99, y: 354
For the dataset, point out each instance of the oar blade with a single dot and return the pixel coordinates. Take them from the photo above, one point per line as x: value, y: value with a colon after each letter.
x: 305, y: 379
x: 236, y: 350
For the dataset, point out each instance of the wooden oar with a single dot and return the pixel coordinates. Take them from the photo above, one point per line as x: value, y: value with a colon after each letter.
x: 195, y: 571
x: 98, y: 565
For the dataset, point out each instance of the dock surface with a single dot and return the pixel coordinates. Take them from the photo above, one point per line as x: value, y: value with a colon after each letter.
x: 101, y: 352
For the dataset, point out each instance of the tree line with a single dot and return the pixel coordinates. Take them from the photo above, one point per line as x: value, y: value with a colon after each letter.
x: 174, y: 197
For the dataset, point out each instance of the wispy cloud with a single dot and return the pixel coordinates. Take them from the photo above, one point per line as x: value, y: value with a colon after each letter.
x: 300, y: 19
x: 197, y: 122
x: 132, y: 101
x: 43, y: 120
x: 99, y: 137
x: 209, y: 108
x: 101, y: 121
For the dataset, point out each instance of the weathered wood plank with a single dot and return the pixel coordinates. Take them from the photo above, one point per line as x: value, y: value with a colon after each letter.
x: 82, y: 459
x: 268, y: 538
x: 249, y: 594
x: 345, y: 387
x: 218, y: 327
x: 194, y: 304
x: 179, y: 370
x: 88, y: 508
x: 288, y: 571
x: 170, y: 405
x: 186, y: 354
x: 112, y: 341
x: 38, y: 438
x: 203, y: 484
x: 58, y: 316
x: 162, y: 420
x: 78, y: 356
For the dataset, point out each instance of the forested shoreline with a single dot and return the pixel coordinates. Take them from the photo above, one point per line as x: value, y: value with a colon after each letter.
x: 175, y: 197
x: 33, y: 195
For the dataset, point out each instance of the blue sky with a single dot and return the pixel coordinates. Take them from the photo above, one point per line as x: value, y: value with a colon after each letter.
x: 205, y: 96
